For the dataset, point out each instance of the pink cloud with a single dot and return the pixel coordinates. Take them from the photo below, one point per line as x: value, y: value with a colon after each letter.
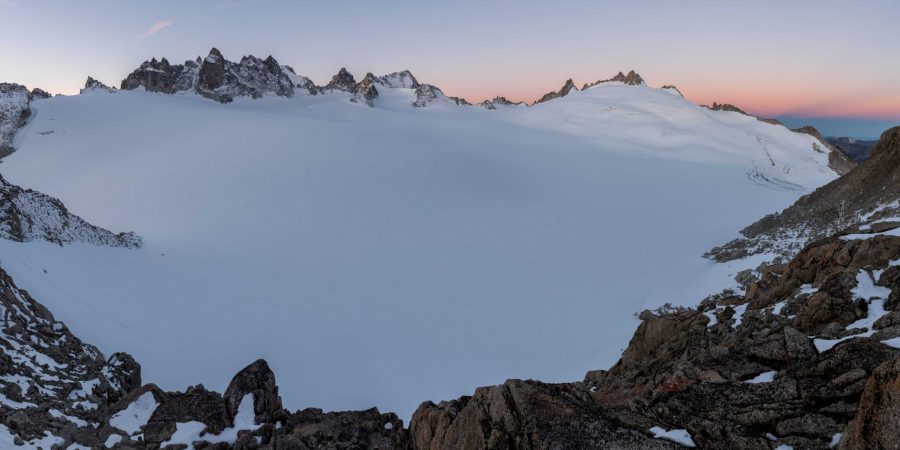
x: 156, y: 28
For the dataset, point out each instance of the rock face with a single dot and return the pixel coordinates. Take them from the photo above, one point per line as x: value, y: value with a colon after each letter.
x: 26, y: 215
x: 15, y: 110
x: 870, y: 191
x: 562, y: 92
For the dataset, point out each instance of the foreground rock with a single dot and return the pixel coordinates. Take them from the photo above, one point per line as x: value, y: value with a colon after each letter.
x: 526, y: 415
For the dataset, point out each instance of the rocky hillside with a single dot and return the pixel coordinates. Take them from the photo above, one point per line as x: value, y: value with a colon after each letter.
x: 869, y: 192
x: 27, y: 215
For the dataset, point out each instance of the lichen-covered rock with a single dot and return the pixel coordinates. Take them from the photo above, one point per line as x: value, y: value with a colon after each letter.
x: 877, y: 423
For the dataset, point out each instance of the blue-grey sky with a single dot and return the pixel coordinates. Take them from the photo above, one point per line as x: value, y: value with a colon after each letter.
x: 800, y: 58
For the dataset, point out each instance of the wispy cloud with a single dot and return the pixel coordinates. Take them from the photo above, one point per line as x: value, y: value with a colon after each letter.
x: 155, y: 28
x: 7, y: 2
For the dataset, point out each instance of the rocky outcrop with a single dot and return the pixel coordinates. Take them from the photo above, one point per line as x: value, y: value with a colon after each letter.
x: 15, y: 109
x: 92, y: 85
x: 259, y: 381
x: 27, y: 215
x: 562, y: 92
x: 868, y: 192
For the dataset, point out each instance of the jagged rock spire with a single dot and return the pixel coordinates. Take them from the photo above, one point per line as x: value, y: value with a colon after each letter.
x: 342, y: 81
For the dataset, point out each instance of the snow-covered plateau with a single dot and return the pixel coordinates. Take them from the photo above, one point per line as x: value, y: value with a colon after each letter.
x: 384, y: 256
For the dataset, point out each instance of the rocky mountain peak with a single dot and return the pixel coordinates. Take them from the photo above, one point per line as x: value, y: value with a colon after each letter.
x: 214, y: 56
x: 403, y: 79
x: 342, y: 81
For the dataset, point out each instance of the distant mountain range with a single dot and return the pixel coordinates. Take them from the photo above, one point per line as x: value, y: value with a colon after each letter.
x: 855, y: 149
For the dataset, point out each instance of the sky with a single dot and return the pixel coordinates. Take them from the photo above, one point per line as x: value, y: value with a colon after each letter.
x: 800, y: 60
